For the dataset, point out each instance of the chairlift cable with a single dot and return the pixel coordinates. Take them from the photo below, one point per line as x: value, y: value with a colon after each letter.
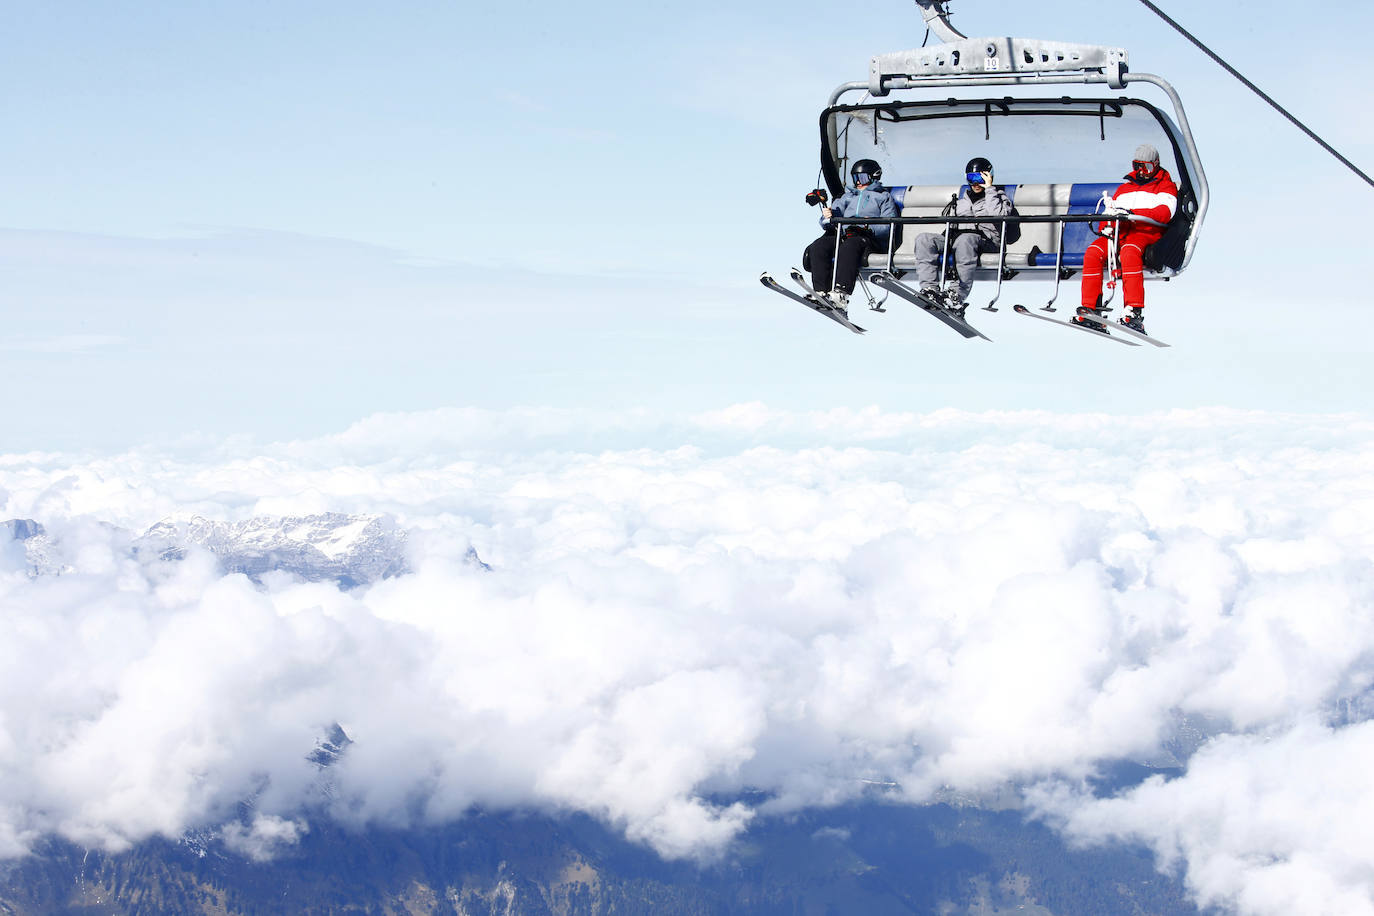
x: 1259, y: 92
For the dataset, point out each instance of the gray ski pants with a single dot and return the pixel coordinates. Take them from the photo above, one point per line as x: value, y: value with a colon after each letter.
x: 966, y: 247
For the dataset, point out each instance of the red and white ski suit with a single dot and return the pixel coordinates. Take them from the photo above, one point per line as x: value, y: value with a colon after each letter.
x: 1155, y: 197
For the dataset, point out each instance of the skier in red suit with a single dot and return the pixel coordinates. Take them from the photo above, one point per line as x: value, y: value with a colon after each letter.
x: 1148, y: 191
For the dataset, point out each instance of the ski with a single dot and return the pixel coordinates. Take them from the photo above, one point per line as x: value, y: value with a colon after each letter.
x: 1131, y: 332
x: 799, y: 278
x: 1022, y: 310
x: 887, y: 281
x: 767, y: 280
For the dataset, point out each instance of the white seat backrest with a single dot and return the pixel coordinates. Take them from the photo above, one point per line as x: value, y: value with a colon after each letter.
x: 1029, y: 199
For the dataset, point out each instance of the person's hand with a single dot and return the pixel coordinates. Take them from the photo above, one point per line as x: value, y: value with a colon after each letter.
x: 1115, y: 209
x: 987, y: 179
x: 827, y: 212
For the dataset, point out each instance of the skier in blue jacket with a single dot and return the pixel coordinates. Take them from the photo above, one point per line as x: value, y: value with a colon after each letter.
x: 866, y: 199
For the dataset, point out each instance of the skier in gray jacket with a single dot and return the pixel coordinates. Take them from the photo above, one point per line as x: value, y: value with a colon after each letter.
x: 967, y: 240
x: 867, y: 199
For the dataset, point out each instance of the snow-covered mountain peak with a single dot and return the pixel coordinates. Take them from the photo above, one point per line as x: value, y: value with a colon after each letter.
x: 352, y: 549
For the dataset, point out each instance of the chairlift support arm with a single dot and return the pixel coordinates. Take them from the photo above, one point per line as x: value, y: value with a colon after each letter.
x: 937, y: 20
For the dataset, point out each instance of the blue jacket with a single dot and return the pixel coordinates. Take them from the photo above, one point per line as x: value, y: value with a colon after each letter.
x: 872, y: 202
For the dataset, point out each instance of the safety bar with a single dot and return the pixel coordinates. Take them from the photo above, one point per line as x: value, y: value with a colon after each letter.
x: 948, y: 221
x: 1034, y: 218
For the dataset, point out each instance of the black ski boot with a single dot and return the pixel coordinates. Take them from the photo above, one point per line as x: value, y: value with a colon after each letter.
x: 1132, y: 319
x: 933, y: 295
x: 1082, y: 320
x: 954, y: 302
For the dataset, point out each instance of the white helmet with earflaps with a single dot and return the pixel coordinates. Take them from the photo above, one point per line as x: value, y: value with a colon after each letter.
x: 1145, y: 162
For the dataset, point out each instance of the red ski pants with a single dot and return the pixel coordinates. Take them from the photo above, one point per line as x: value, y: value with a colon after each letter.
x: 1132, y: 270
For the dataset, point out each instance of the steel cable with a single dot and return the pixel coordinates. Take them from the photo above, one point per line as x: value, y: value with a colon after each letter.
x: 1259, y: 92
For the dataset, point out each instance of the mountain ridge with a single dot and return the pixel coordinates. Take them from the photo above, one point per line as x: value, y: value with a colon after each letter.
x: 352, y: 550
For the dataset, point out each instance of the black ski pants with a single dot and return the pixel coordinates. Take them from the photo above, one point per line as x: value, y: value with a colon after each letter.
x: 821, y: 253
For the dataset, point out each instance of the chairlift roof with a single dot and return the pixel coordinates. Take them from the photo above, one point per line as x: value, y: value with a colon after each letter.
x: 1026, y: 137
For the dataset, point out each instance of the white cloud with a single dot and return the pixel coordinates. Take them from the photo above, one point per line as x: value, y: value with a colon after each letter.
x: 1262, y: 825
x: 264, y: 837
x: 683, y: 607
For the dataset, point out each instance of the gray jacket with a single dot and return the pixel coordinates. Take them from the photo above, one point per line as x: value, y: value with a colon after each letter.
x: 994, y: 202
x: 872, y: 202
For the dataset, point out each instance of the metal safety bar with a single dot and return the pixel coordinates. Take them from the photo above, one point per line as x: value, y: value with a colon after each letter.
x: 1032, y: 218
x: 839, y: 222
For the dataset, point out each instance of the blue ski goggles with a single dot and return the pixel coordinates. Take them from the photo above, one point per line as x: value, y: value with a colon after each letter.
x: 862, y: 178
x: 974, y: 177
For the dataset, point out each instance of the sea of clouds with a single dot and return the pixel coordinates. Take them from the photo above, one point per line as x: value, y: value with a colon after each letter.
x: 965, y: 605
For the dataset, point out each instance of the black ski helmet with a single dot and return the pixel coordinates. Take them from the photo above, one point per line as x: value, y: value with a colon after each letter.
x: 868, y: 167
x: 978, y: 164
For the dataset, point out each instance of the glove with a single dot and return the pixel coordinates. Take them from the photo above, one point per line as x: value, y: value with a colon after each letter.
x: 1115, y: 209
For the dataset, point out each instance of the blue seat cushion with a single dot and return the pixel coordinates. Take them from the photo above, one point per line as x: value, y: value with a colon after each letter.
x: 1083, y: 199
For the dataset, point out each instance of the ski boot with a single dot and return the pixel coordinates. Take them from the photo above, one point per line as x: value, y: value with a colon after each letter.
x: 954, y: 302
x: 1133, y: 319
x: 1082, y: 320
x: 839, y: 302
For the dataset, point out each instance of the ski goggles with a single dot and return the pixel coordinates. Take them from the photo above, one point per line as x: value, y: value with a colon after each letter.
x: 974, y: 177
x: 862, y: 178
x: 1143, y: 166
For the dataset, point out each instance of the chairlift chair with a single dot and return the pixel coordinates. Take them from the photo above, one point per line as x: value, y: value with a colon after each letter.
x: 926, y: 111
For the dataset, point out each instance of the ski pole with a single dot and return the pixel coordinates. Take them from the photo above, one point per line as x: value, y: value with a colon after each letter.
x: 1113, y: 253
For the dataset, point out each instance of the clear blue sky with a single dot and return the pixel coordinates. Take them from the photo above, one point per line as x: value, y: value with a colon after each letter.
x: 274, y: 219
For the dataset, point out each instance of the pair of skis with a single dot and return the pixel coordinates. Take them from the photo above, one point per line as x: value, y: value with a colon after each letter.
x: 1094, y: 321
x: 954, y: 319
x: 809, y: 298
x: 884, y: 280
x: 1110, y: 329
